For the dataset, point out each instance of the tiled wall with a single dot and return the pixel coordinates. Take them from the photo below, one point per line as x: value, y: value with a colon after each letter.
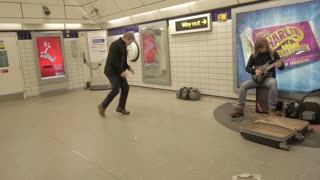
x: 201, y: 60
x: 73, y: 60
x: 29, y: 68
x: 204, y: 60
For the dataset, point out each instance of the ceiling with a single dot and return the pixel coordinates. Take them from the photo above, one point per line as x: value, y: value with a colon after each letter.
x: 111, y: 9
x: 102, y: 11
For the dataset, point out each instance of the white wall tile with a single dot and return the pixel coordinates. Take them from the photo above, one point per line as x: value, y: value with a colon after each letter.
x: 201, y: 60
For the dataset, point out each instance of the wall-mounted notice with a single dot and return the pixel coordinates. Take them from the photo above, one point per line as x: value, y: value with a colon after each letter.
x: 97, y: 46
x: 3, y: 59
x: 50, y: 57
x: 191, y: 24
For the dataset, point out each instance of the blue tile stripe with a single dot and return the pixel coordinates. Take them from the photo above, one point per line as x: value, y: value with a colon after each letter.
x: 122, y: 30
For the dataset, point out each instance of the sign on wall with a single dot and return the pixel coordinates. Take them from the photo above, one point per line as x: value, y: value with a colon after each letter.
x: 50, y: 57
x: 298, y: 29
x: 2, y: 46
x: 97, y: 46
x: 154, y: 51
x: 3, y: 55
x: 191, y: 24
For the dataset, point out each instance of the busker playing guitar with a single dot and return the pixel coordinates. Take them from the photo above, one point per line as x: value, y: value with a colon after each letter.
x: 262, y: 55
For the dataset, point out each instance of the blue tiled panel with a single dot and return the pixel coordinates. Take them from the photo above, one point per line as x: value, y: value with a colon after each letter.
x: 122, y: 30
x: 26, y: 35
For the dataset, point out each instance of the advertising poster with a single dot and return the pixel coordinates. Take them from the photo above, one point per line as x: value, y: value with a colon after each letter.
x: 155, y: 56
x: 50, y: 57
x: 149, y: 48
x: 288, y: 29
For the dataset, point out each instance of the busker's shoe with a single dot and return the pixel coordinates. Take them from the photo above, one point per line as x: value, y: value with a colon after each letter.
x: 273, y: 112
x: 101, y: 110
x: 237, y: 113
x: 123, y: 111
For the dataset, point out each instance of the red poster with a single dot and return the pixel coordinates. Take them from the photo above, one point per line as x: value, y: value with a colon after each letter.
x: 50, y: 57
x: 149, y: 48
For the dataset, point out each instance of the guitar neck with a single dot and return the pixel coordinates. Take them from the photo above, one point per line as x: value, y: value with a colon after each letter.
x: 282, y: 59
x: 274, y: 64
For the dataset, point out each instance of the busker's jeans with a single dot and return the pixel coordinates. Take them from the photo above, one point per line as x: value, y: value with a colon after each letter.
x: 269, y: 82
x: 117, y: 82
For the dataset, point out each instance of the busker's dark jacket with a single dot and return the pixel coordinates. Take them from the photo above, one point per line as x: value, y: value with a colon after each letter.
x: 117, y: 59
x: 261, y: 59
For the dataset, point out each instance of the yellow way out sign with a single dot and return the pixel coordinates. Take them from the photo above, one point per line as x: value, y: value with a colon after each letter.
x: 191, y: 24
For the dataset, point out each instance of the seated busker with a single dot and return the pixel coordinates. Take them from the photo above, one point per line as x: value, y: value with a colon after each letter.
x: 262, y: 55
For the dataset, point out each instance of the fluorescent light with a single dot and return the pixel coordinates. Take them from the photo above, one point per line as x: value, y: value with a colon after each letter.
x: 53, y: 26
x: 143, y: 14
x: 73, y: 26
x: 10, y: 26
x: 177, y: 6
x: 118, y: 20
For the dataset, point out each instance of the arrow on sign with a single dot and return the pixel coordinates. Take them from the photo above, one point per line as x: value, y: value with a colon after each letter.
x: 204, y: 21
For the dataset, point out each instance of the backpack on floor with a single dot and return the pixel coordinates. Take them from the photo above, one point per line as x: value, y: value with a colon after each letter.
x: 185, y: 93
x: 291, y: 110
x: 309, y: 109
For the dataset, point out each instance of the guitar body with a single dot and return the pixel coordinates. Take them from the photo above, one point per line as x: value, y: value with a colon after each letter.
x: 260, y: 78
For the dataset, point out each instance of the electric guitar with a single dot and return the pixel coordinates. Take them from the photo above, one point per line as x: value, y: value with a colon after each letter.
x: 266, y: 67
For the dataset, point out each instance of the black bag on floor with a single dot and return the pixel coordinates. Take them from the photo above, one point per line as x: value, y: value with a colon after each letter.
x: 292, y: 110
x: 309, y: 109
x: 188, y: 94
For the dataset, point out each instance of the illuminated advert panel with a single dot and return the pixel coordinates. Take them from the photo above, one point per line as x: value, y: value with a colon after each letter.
x: 49, y: 53
x: 191, y: 24
x: 290, y: 27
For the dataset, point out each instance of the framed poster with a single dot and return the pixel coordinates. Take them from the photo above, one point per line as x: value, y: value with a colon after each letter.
x: 50, y: 57
x: 155, y: 53
x: 289, y: 26
x: 49, y: 52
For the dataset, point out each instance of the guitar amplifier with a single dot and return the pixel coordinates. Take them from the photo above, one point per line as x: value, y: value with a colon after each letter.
x: 262, y: 95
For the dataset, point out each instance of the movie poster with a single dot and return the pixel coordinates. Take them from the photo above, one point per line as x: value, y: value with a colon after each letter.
x: 288, y: 29
x: 50, y: 57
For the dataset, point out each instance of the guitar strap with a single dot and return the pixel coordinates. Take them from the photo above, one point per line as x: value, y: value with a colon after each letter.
x: 271, y: 55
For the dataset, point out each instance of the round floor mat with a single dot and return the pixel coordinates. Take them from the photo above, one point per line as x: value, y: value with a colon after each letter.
x: 222, y: 115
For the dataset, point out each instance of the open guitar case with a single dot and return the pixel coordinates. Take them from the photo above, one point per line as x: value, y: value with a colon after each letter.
x: 274, y: 131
